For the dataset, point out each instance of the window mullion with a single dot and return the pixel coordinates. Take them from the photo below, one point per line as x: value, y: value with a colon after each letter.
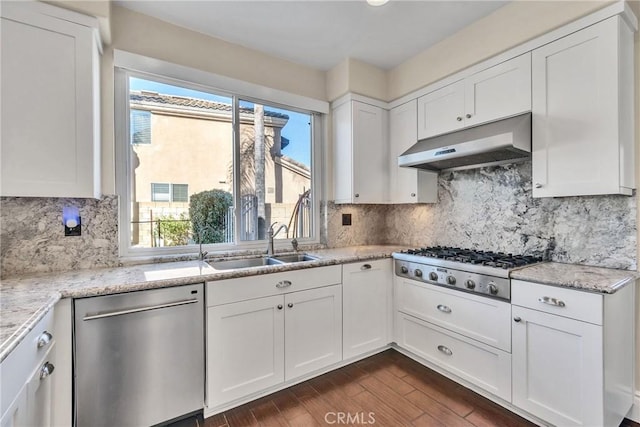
x: 235, y: 120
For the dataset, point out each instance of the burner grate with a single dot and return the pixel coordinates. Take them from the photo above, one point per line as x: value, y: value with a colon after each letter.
x: 476, y: 257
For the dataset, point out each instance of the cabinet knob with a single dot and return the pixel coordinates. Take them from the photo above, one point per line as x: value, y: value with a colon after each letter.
x: 283, y: 284
x: 365, y: 267
x: 468, y: 116
x: 517, y: 319
x: 290, y: 305
x: 446, y: 350
x: 44, y: 339
x: 279, y: 306
x: 443, y: 308
x: 459, y: 118
x: 413, y: 194
x: 46, y: 370
x: 357, y: 195
x: 538, y: 185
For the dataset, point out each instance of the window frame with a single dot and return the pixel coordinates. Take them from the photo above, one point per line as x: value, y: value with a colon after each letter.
x: 128, y: 65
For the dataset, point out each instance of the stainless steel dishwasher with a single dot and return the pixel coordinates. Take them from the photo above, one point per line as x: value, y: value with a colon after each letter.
x: 138, y: 357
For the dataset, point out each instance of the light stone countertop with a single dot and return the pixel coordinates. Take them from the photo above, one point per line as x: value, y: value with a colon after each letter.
x: 24, y: 300
x: 580, y: 277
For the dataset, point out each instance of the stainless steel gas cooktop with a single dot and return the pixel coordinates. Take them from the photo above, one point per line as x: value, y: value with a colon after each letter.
x: 481, y: 272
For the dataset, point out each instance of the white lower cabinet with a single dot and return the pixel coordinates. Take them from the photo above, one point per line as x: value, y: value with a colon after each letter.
x: 482, y: 365
x: 26, y: 396
x: 557, y: 367
x: 248, y: 353
x: 572, y: 354
x: 254, y: 344
x: 464, y: 334
x: 366, y: 302
x: 312, y: 330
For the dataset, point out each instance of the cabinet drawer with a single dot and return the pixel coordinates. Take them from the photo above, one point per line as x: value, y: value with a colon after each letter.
x: 17, y: 368
x: 263, y: 285
x: 560, y: 301
x: 484, y: 319
x: 480, y: 364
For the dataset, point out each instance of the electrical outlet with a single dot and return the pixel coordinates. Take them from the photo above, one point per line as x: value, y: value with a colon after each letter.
x: 71, y: 221
x: 346, y: 219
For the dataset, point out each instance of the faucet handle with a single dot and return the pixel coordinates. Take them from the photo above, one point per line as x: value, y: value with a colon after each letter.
x: 294, y: 243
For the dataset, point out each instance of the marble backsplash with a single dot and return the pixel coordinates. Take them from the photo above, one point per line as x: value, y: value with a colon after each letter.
x: 492, y: 208
x: 32, y: 236
x: 487, y: 208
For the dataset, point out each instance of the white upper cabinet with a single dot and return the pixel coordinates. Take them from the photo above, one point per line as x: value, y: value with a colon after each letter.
x: 583, y: 113
x: 441, y: 111
x: 407, y: 185
x: 500, y: 91
x: 50, y: 102
x: 361, y: 172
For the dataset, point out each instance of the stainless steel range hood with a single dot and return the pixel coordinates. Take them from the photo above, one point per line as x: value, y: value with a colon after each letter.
x: 499, y: 142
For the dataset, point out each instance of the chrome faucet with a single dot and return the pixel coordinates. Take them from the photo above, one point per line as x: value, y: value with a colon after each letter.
x: 273, y: 234
x: 202, y: 254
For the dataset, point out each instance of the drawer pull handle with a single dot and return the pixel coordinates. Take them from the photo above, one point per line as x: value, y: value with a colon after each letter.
x: 552, y: 301
x: 46, y: 370
x: 366, y: 267
x: 443, y: 308
x: 44, y: 339
x: 283, y: 284
x: 445, y: 350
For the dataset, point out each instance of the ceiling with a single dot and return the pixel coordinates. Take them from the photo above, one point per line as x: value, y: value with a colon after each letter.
x: 320, y: 34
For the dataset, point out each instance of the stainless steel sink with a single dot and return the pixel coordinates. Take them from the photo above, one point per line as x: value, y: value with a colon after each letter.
x: 243, y: 263
x: 294, y: 258
x: 232, y: 264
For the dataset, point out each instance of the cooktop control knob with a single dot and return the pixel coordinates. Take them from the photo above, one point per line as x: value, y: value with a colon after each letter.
x: 418, y: 272
x: 451, y: 280
x: 433, y: 276
x: 493, y: 289
x: 404, y: 269
x: 470, y: 284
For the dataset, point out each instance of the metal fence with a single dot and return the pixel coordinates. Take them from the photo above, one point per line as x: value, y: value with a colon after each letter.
x: 163, y: 233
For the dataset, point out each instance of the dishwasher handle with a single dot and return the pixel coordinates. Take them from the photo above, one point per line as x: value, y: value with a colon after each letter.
x: 137, y: 310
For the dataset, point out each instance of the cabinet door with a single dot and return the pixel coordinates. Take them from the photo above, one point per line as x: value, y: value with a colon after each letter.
x: 313, y: 330
x: 441, y: 111
x: 366, y: 293
x: 497, y: 92
x: 342, y: 154
x: 370, y: 153
x: 245, y: 348
x: 575, y: 114
x: 40, y: 393
x: 407, y: 185
x: 557, y: 368
x: 49, y: 85
x: 17, y: 413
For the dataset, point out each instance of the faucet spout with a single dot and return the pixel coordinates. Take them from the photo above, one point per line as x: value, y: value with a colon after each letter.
x: 271, y: 234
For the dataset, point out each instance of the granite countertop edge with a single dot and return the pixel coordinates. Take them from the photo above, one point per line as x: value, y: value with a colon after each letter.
x: 39, y: 293
x: 585, y: 278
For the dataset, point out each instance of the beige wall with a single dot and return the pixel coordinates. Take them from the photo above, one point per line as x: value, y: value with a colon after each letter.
x: 355, y: 76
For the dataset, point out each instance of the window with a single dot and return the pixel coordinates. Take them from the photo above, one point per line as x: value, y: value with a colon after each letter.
x: 177, y: 193
x: 160, y: 192
x: 140, y: 127
x: 200, y: 180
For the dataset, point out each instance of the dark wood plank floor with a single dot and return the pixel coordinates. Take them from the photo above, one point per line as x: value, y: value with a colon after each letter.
x: 387, y: 389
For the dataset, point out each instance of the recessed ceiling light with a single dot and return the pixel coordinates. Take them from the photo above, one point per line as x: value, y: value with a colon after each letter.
x: 376, y: 2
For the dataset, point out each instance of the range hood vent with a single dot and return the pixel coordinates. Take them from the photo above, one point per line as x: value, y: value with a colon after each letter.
x: 499, y: 142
